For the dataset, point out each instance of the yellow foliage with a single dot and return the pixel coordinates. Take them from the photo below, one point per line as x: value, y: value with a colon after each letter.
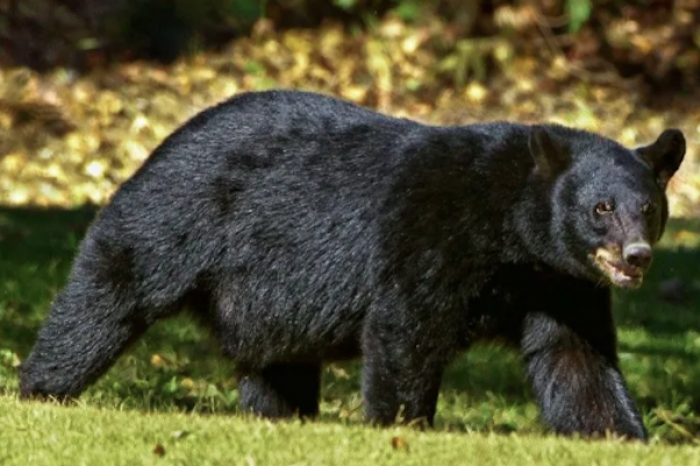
x: 67, y: 139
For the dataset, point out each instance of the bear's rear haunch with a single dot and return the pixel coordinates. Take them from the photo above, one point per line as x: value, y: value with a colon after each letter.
x: 304, y: 229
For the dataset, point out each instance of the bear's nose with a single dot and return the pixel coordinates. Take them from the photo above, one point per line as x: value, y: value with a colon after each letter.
x: 637, y: 255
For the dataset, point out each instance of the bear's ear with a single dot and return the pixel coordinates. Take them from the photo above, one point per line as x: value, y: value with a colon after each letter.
x: 551, y: 154
x: 665, y: 155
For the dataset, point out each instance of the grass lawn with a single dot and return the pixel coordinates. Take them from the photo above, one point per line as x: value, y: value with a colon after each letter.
x: 172, y: 399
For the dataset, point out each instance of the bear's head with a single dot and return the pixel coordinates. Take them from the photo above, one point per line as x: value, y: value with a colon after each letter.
x: 608, y: 203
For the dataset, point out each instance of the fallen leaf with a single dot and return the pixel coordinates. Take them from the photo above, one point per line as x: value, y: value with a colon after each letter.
x: 179, y: 434
x: 157, y: 360
x: 159, y: 450
x: 399, y: 444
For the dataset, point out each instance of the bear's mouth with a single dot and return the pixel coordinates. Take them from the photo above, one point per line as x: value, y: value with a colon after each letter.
x: 616, y: 270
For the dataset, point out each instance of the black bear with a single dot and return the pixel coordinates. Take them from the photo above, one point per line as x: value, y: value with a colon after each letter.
x: 303, y: 229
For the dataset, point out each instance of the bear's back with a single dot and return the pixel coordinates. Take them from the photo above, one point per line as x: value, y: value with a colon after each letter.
x: 266, y: 182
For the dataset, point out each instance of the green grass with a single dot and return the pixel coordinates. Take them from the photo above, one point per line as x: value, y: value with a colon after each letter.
x: 174, y: 380
x: 36, y: 434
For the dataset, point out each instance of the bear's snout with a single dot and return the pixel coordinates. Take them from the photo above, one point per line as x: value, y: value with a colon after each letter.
x: 624, y: 266
x: 638, y: 254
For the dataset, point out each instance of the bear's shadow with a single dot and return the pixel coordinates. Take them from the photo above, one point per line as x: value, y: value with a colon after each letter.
x: 660, y: 339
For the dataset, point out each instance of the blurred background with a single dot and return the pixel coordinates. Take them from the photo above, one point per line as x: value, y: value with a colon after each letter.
x: 88, y: 88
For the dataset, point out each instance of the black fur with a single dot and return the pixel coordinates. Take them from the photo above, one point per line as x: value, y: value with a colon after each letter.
x: 305, y: 229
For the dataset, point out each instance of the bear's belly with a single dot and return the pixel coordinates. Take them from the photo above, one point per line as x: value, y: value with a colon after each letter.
x: 292, y: 337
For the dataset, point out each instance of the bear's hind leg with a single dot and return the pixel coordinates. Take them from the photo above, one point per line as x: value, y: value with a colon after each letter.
x: 282, y: 390
x: 92, y: 320
x: 85, y: 332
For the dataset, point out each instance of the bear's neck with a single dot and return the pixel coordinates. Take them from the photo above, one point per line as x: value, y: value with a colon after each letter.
x: 462, y: 201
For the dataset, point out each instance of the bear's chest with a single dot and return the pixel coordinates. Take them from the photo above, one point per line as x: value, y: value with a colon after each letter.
x: 502, y: 302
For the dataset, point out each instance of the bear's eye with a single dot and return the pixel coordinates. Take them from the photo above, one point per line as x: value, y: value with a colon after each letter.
x: 648, y: 208
x: 604, y: 208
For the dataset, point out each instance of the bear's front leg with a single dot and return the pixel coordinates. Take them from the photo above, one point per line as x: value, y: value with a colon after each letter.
x: 402, y: 370
x: 572, y: 364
